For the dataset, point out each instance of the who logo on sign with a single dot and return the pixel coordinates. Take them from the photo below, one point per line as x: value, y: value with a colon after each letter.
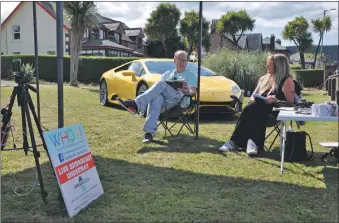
x: 61, y: 157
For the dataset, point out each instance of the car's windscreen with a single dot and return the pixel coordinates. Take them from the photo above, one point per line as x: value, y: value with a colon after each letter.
x: 160, y: 67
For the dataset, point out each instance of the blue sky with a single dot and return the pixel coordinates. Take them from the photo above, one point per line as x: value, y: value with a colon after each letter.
x: 271, y: 17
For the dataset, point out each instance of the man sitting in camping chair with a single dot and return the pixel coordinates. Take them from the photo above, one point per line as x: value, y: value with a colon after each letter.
x: 162, y: 96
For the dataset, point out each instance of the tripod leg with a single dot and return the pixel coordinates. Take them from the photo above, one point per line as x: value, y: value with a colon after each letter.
x: 24, y: 130
x: 7, y: 118
x: 35, y: 152
x: 32, y: 108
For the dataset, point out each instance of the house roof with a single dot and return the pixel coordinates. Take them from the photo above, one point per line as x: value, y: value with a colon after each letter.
x: 103, y: 19
x: 47, y: 7
x: 133, y: 31
x: 138, y: 53
x: 254, y: 41
x: 112, y: 26
x: 126, y: 38
x: 241, y: 42
x: 251, y: 41
x: 108, y: 20
x: 277, y: 46
x: 92, y: 43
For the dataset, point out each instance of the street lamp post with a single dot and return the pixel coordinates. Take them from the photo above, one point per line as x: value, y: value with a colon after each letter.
x: 322, y: 35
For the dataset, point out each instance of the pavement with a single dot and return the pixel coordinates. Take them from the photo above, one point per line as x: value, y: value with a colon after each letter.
x: 7, y: 83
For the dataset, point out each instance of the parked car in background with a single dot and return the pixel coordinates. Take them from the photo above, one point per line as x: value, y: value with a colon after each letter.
x: 218, y: 94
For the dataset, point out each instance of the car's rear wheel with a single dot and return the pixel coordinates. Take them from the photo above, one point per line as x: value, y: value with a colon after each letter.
x: 142, y: 88
x: 103, y: 93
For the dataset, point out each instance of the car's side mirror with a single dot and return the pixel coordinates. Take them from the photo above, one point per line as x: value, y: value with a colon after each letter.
x: 128, y: 73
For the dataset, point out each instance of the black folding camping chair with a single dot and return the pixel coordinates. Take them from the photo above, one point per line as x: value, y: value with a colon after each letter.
x: 273, y: 122
x: 181, y: 114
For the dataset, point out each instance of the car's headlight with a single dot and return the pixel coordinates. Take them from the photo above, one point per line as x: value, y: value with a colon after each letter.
x: 235, y: 89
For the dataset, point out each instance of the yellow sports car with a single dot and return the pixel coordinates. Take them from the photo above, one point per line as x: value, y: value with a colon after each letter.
x: 217, y: 95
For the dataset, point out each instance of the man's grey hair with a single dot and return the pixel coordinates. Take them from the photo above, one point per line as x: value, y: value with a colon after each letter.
x: 179, y: 52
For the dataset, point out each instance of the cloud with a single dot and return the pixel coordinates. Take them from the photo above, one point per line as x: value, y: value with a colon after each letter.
x: 271, y: 17
x: 7, y: 8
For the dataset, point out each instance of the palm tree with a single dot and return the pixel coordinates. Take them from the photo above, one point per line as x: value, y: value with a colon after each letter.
x: 234, y: 23
x: 321, y: 26
x: 78, y: 15
x: 297, y: 31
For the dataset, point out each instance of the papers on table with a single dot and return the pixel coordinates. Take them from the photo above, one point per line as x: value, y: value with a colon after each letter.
x: 284, y: 109
x: 329, y: 144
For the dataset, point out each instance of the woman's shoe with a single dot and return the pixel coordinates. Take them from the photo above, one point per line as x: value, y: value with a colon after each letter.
x: 252, y: 148
x: 228, y: 146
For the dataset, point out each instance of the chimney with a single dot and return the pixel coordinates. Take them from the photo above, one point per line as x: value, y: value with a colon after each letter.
x: 278, y: 41
x: 214, y: 21
x: 272, y: 41
x: 214, y: 24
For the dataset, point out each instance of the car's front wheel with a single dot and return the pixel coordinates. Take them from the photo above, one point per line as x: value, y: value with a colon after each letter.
x: 142, y: 88
x: 103, y: 93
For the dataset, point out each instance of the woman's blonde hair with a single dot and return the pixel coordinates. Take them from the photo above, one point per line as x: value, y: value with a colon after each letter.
x: 281, y: 69
x: 266, y: 82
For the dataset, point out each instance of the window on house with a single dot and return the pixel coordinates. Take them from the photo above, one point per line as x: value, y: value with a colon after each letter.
x: 16, y: 53
x: 95, y: 34
x: 124, y: 54
x: 117, y: 38
x: 16, y: 32
x: 113, y: 53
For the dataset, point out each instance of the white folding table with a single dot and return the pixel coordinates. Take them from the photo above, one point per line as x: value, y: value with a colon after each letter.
x: 288, y: 114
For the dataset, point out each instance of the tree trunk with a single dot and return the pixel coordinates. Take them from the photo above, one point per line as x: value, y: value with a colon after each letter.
x: 221, y: 40
x: 190, y: 48
x: 164, y: 45
x: 302, y: 60
x: 75, y: 53
x: 316, y: 52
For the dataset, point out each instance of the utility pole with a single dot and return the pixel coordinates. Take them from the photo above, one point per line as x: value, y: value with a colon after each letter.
x: 322, y: 35
x: 321, y: 49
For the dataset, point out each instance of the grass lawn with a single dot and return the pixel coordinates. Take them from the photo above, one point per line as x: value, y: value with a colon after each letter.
x: 178, y: 180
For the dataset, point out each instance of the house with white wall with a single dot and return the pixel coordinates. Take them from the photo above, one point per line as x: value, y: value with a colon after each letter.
x: 17, y: 30
x: 108, y: 38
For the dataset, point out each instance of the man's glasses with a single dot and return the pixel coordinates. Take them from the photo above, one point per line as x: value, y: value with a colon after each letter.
x: 181, y: 60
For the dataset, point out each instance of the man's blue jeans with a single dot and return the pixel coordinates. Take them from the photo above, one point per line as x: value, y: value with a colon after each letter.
x: 159, y: 98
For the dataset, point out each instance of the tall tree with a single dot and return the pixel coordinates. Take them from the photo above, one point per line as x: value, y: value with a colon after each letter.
x: 189, y: 29
x: 297, y: 31
x: 78, y: 14
x: 321, y: 26
x: 162, y: 23
x: 156, y: 49
x: 235, y: 23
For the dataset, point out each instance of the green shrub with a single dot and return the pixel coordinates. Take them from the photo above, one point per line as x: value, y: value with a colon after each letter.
x: 310, y: 78
x: 296, y: 67
x: 244, y: 68
x: 29, y: 70
x: 90, y: 68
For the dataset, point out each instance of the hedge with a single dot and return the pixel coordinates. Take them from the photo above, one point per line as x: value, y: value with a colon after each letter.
x: 296, y: 67
x: 90, y: 68
x: 310, y: 78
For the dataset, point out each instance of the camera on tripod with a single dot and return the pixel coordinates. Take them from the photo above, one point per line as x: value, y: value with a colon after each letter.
x: 20, y: 76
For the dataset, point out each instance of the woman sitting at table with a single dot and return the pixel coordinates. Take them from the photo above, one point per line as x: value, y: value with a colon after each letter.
x: 278, y: 87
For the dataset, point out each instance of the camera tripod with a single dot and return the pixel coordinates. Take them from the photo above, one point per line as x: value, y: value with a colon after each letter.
x: 25, y: 102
